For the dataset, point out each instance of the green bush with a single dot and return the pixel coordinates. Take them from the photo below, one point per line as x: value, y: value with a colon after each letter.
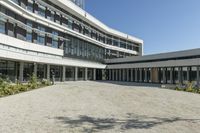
x: 188, y: 87
x: 6, y: 88
x: 33, y: 82
x: 45, y: 82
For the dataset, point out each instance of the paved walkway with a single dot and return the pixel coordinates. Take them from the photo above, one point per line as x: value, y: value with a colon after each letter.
x: 95, y: 107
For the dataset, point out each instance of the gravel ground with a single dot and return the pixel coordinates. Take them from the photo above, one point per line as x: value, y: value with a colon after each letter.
x: 109, y: 107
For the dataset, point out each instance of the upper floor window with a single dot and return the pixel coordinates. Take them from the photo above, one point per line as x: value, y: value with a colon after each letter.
x: 2, y: 26
x: 16, y: 1
x: 41, y: 10
x: 29, y: 31
x: 41, y: 35
x: 30, y: 5
x: 55, y: 39
x: 50, y: 15
x: 70, y: 22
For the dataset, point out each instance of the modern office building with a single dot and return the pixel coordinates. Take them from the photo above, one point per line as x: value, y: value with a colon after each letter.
x: 165, y: 68
x: 40, y: 36
x: 44, y: 36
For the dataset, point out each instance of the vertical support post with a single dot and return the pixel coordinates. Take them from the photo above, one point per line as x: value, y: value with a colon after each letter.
x: 127, y: 75
x: 197, y: 75
x: 188, y: 74
x: 145, y: 75
x: 124, y: 74
x: 76, y: 74
x: 21, y: 72
x: 64, y: 74
x: 110, y: 76
x: 164, y: 75
x: 140, y: 74
x: 35, y: 69
x: 48, y: 72
x: 131, y: 75
x: 116, y: 75
x: 86, y: 73
x: 113, y: 75
x: 120, y: 75
x: 136, y: 75
x: 171, y: 76
x: 151, y: 75
x: 94, y: 74
x: 179, y: 75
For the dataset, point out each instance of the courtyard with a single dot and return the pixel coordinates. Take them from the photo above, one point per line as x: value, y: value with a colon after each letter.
x: 100, y: 107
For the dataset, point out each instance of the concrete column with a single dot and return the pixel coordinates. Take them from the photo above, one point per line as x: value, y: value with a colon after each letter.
x: 64, y: 74
x: 116, y: 75
x: 151, y: 75
x: 94, y: 74
x: 86, y: 73
x: 127, y: 75
x: 124, y: 74
x: 110, y: 76
x: 131, y: 75
x: 21, y: 72
x: 120, y: 75
x: 136, y: 76
x: 35, y: 69
x: 171, y: 75
x: 179, y: 75
x: 76, y: 74
x: 48, y: 72
x: 113, y: 74
x: 198, y: 76
x: 140, y: 74
x: 188, y: 74
x: 164, y: 75
x: 145, y: 75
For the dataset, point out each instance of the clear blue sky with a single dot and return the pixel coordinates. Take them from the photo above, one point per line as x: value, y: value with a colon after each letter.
x: 164, y: 25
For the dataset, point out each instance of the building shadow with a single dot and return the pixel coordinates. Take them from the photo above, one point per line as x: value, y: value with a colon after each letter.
x: 124, y: 83
x: 90, y: 124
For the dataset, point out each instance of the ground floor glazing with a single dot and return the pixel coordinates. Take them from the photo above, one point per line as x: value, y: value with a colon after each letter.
x: 161, y: 75
x: 22, y: 71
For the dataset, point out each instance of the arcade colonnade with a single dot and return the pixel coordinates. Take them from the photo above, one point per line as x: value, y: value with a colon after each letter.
x: 161, y: 75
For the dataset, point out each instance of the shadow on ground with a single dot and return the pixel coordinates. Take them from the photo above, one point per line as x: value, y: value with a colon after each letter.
x: 91, y: 124
x: 123, y: 83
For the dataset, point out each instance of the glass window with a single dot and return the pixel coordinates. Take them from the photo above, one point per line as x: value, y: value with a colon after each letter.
x: 52, y: 16
x: 30, y: 6
x: 2, y: 27
x: 70, y: 22
x: 41, y: 10
x: 55, y: 39
x: 16, y: 1
x: 29, y: 31
x: 41, y: 35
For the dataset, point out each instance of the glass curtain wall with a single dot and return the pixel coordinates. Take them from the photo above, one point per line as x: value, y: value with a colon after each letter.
x: 9, y: 69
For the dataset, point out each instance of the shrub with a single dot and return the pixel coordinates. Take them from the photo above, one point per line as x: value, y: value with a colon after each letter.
x: 45, y: 82
x: 189, y: 87
x: 6, y: 88
x: 33, y: 82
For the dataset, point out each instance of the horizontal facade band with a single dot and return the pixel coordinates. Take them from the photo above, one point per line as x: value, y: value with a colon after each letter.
x: 17, y: 54
x: 34, y: 17
x: 65, y: 4
x: 11, y: 41
x: 170, y: 63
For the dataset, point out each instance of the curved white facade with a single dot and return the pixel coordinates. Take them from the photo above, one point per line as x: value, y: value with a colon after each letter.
x: 38, y: 36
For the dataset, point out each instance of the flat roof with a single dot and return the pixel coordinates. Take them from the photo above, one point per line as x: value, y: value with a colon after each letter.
x: 153, y: 57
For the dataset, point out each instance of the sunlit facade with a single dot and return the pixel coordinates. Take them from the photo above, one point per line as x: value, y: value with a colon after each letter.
x: 40, y: 36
